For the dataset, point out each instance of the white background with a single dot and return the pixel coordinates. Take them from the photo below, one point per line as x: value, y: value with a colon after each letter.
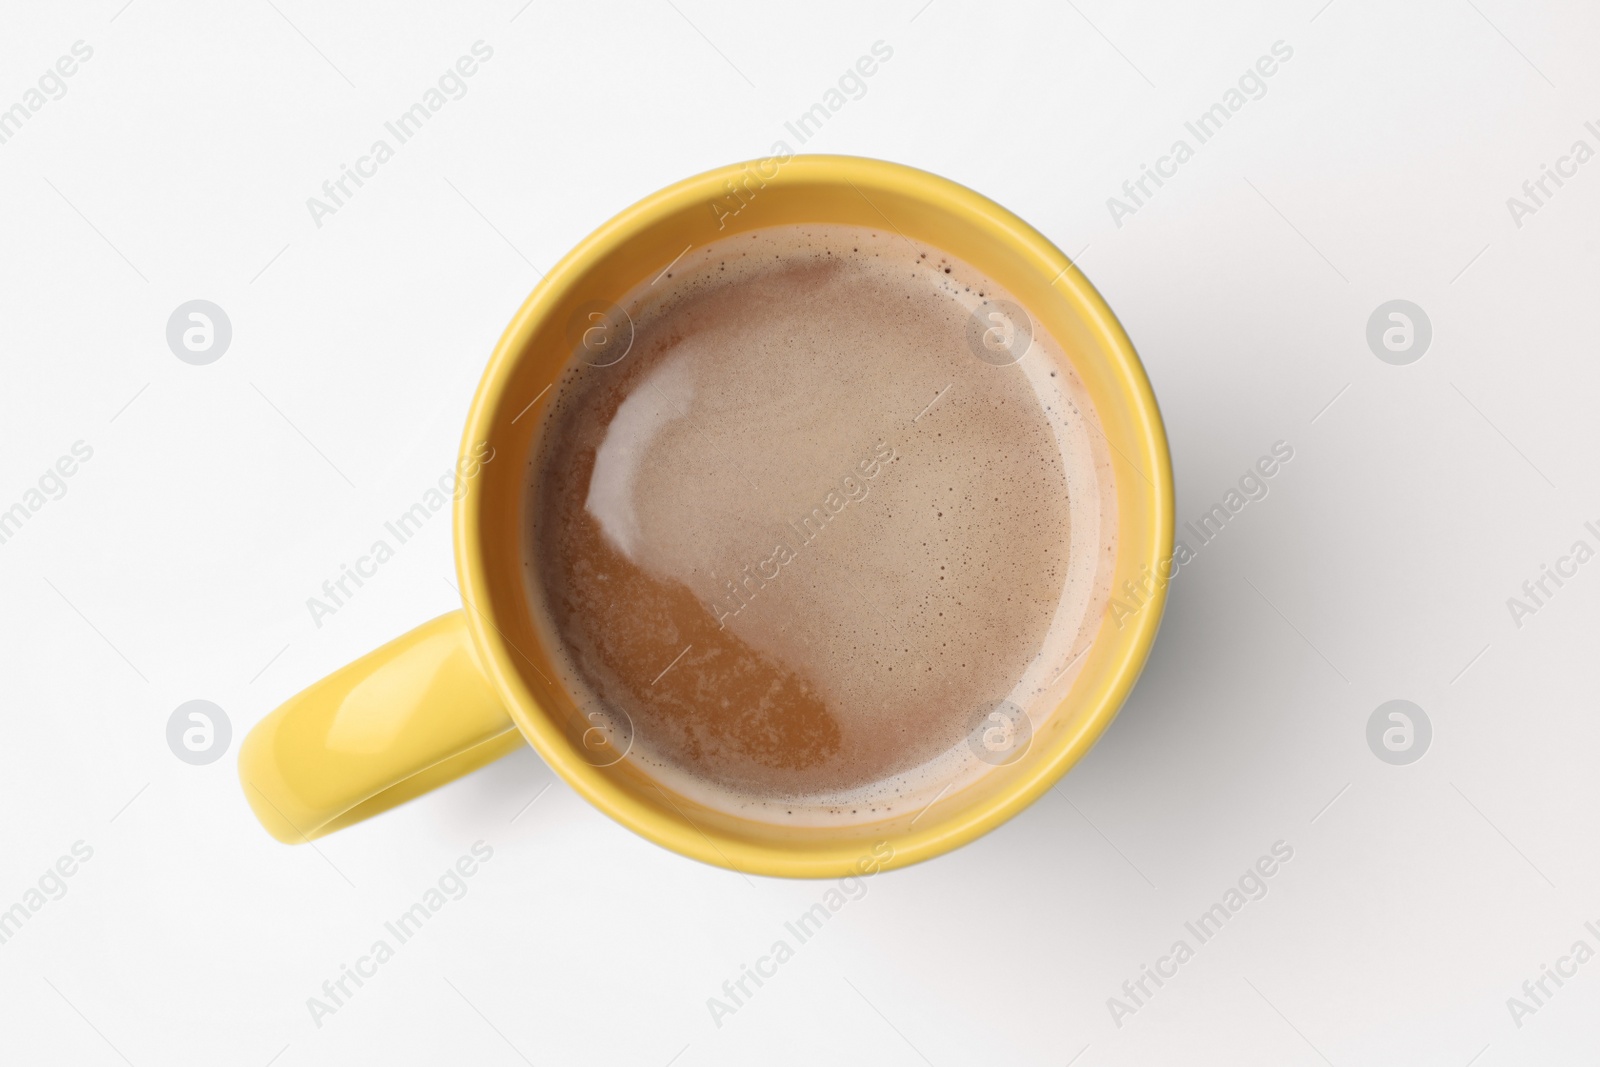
x: 218, y: 498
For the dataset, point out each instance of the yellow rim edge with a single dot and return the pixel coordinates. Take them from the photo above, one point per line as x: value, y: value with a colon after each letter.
x: 1107, y: 694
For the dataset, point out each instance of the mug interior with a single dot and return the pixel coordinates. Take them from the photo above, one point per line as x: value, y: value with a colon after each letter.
x: 641, y: 242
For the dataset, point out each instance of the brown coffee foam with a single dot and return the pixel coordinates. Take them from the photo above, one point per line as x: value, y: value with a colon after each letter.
x: 801, y: 533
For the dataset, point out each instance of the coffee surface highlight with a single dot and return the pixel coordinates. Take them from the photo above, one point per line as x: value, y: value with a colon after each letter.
x: 809, y: 533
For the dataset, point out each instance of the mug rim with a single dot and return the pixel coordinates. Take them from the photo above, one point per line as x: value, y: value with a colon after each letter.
x: 709, y: 845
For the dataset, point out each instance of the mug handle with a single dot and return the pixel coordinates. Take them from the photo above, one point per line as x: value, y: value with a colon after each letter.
x: 403, y: 719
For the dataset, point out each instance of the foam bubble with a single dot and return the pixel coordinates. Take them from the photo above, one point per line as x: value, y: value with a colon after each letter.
x: 806, y: 531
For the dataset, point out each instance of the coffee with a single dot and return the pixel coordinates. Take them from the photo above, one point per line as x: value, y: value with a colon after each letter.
x: 824, y: 516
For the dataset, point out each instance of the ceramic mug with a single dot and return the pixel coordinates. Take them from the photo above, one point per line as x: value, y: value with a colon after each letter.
x: 471, y: 686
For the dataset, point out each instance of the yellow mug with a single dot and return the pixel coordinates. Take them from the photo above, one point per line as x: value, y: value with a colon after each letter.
x: 470, y: 686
